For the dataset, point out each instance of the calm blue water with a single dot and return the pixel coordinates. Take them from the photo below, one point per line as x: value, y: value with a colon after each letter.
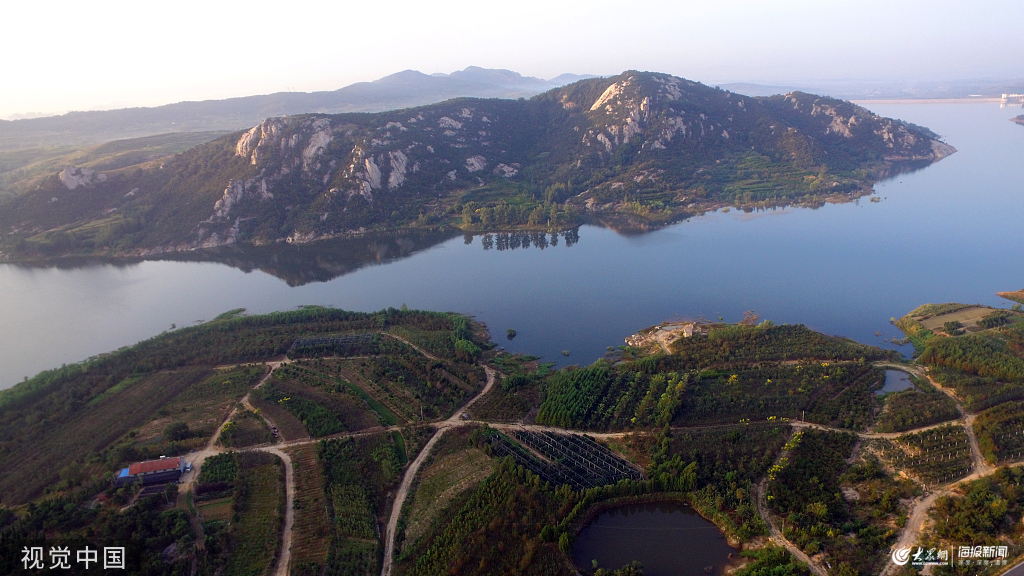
x: 895, y: 381
x: 950, y: 232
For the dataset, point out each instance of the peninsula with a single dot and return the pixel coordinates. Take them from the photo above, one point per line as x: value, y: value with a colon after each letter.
x: 636, y: 150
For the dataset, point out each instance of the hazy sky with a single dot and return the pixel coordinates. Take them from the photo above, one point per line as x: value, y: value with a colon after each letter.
x: 60, y: 56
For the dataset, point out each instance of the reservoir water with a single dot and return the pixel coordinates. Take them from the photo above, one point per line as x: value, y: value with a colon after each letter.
x: 950, y: 232
x: 895, y: 381
x: 669, y: 539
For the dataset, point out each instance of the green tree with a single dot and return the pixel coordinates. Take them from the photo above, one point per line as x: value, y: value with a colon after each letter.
x: 177, y: 431
x: 537, y: 216
x: 564, y: 543
x: 468, y: 209
x: 553, y: 215
x: 486, y: 215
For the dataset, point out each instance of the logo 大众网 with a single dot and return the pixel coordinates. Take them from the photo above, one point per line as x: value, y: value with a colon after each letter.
x: 922, y: 557
x: 901, y: 556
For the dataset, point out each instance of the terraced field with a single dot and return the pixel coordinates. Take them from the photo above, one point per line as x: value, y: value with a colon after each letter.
x: 311, y: 531
x: 441, y: 483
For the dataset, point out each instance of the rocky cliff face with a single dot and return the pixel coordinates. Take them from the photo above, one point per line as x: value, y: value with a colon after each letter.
x: 643, y: 140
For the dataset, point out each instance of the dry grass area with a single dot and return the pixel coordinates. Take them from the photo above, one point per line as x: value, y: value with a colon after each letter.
x: 248, y: 429
x: 440, y: 483
x: 91, y: 429
x: 311, y: 531
x: 968, y: 317
x: 212, y: 510
x: 399, y: 400
x: 290, y: 427
x: 1016, y: 296
x: 205, y: 404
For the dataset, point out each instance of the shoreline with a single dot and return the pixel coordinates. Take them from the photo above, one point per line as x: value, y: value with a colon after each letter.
x: 984, y: 100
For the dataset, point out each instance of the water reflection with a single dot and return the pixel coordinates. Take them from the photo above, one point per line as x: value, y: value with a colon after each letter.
x: 320, y: 261
x: 524, y: 239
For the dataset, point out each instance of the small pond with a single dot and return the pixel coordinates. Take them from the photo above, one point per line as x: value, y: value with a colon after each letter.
x: 668, y: 538
x: 895, y: 381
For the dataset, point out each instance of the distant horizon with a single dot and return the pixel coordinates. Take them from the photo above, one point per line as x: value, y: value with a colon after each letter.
x: 798, y: 84
x: 114, y: 53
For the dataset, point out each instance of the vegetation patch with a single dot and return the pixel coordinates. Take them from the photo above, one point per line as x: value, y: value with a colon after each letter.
x: 729, y: 461
x: 516, y: 395
x: 916, y: 407
x: 1000, y: 432
x: 772, y: 560
x: 1017, y: 296
x: 289, y: 426
x: 336, y: 377
x: 219, y: 510
x: 247, y: 428
x: 498, y: 530
x: 934, y: 456
x: 311, y: 530
x: 322, y: 411
x: 804, y: 489
x: 967, y: 317
x: 453, y: 470
x: 259, y: 515
x: 358, y: 473
x: 45, y: 432
x: 201, y: 408
x: 985, y: 512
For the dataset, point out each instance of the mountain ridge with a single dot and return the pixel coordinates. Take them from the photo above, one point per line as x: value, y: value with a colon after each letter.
x: 640, y: 146
x: 403, y: 89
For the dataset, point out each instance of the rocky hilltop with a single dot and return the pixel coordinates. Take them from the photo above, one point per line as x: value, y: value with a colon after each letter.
x: 647, y: 146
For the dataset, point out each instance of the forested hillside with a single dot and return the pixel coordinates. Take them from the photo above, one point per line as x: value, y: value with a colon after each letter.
x: 644, y: 148
x: 417, y: 448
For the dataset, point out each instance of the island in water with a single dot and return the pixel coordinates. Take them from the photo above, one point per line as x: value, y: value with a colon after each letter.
x: 321, y: 441
x: 634, y: 151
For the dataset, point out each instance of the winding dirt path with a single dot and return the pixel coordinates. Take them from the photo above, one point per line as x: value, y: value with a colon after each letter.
x: 491, y: 373
x: 411, y: 345
x: 918, y: 518
x: 869, y: 435
x: 400, y: 496
x: 211, y: 448
x: 410, y: 473
x: 285, y: 555
x: 915, y: 525
x: 762, y: 508
x: 981, y: 466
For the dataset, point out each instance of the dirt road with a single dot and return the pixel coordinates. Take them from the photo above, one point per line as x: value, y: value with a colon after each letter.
x: 776, y: 534
x: 285, y: 555
x: 400, y: 496
x: 914, y: 527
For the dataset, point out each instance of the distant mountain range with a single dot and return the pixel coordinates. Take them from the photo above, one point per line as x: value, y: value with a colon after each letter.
x: 401, y: 90
x: 640, y: 146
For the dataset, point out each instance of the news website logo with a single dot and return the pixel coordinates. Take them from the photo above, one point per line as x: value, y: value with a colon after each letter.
x: 919, y: 557
x: 901, y: 556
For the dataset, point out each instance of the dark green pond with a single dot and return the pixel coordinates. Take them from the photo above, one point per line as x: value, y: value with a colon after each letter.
x: 668, y: 538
